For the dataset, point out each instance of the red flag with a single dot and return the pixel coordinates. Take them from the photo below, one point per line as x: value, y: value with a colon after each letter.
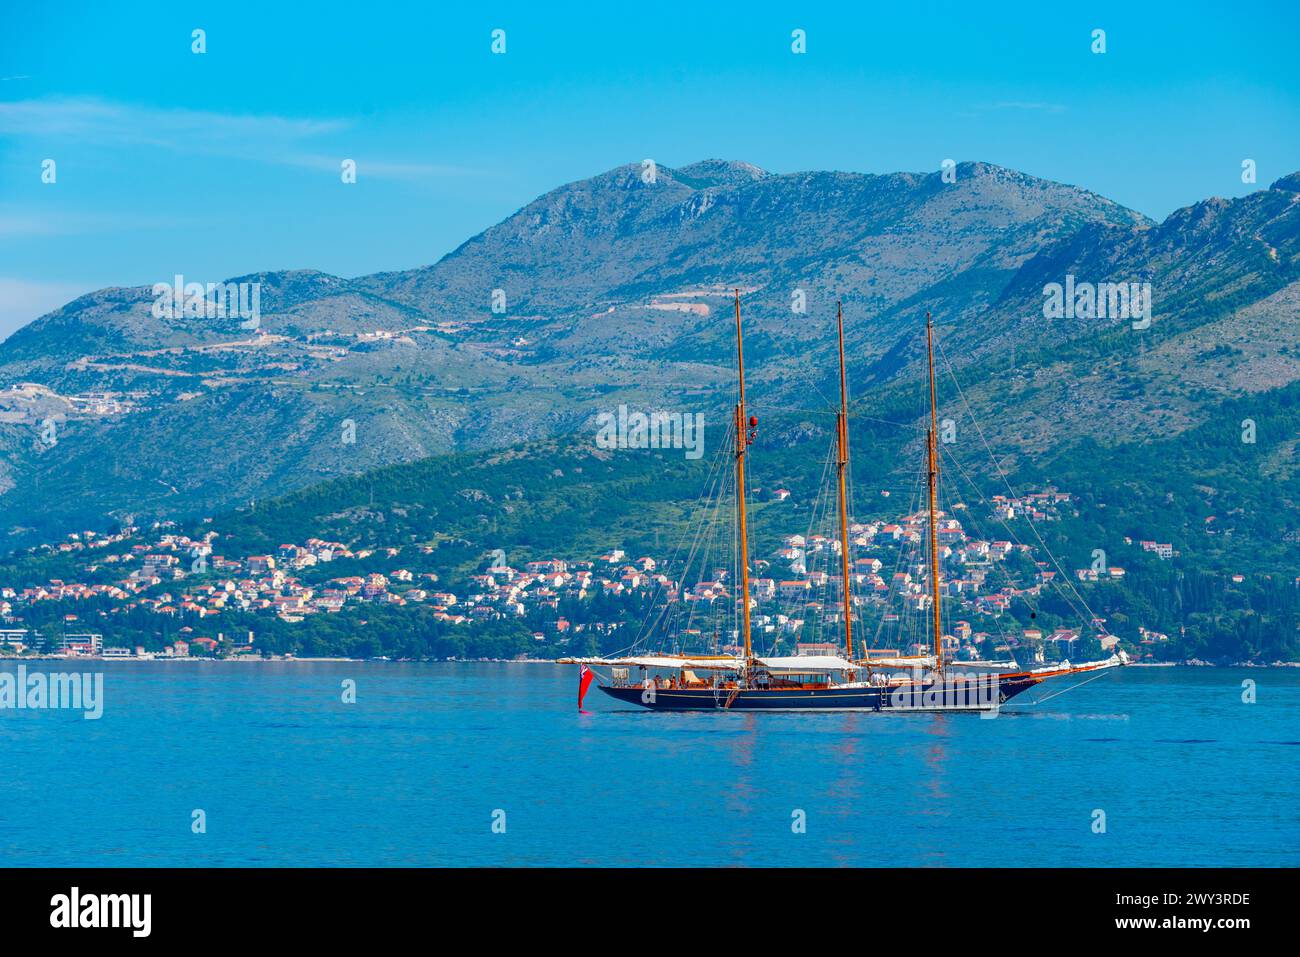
x: 584, y: 682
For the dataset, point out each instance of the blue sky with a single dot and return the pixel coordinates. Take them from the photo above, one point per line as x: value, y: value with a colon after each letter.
x: 225, y: 163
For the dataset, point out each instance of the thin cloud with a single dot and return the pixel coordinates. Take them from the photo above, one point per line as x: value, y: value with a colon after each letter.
x: 281, y: 140
x: 1022, y: 105
x: 17, y: 222
x: 22, y: 300
x: 101, y: 121
x: 380, y: 168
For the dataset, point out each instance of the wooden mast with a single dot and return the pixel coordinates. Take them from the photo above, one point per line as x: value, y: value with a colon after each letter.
x: 932, y: 441
x: 842, y: 434
x: 742, y: 444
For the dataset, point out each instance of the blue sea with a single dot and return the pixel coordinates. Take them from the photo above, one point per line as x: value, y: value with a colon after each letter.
x: 431, y: 756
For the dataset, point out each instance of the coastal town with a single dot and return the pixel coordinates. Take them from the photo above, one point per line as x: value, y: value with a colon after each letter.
x: 183, y: 581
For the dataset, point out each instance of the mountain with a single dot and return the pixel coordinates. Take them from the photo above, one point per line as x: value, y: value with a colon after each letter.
x: 617, y: 240
x: 616, y: 289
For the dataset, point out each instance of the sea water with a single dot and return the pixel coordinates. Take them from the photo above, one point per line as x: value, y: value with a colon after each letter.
x: 273, y: 763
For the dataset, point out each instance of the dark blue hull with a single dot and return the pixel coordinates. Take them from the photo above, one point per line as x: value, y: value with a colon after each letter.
x: 812, y: 699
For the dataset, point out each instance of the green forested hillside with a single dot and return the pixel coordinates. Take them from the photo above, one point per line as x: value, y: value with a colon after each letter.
x: 1228, y: 507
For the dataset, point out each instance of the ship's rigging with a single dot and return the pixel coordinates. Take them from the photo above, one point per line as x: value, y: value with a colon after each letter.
x: 704, y: 611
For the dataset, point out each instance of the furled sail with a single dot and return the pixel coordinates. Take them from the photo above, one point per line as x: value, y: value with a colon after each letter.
x: 673, y: 662
x: 806, y: 663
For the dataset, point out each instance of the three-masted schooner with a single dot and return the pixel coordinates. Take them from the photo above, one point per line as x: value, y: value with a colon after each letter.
x: 746, y: 681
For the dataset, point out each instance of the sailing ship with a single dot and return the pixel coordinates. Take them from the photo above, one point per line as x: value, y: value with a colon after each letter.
x: 851, y: 678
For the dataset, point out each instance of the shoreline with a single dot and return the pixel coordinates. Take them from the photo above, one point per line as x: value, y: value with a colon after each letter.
x: 257, y: 659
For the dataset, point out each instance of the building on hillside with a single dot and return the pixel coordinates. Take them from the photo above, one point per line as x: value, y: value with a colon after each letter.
x: 82, y: 643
